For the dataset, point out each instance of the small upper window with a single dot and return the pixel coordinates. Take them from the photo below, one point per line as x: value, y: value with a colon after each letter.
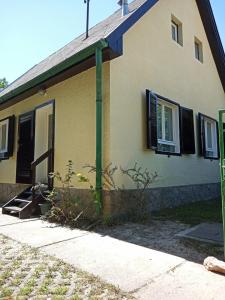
x: 176, y: 29
x: 198, y: 50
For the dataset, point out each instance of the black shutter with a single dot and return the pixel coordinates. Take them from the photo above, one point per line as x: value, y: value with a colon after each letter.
x: 11, y: 136
x: 151, y: 109
x: 201, y: 135
x: 187, y: 134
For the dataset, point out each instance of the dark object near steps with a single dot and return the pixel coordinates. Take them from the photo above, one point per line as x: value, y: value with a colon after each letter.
x: 25, y: 204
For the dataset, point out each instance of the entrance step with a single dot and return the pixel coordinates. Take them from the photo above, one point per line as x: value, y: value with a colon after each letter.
x: 25, y: 204
x: 13, y: 208
x: 21, y: 200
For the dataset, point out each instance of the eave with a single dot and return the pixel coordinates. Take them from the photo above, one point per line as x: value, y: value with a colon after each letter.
x: 76, y: 64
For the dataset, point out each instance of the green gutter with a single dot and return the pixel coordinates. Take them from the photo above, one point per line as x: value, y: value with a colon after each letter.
x: 99, y: 104
x: 73, y: 60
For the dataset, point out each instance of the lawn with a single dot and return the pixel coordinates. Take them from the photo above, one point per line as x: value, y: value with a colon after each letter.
x: 193, y: 213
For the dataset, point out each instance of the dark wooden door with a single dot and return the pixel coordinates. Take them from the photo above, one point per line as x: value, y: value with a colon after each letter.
x: 25, y: 154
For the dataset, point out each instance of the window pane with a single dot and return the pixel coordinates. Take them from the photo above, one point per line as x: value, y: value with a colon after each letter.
x: 166, y: 148
x: 197, y: 51
x: 175, y: 32
x: 209, y: 135
x: 168, y: 124
x: 159, y: 121
x: 3, y: 135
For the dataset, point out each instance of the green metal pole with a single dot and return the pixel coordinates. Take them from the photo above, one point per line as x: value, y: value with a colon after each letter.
x: 99, y: 103
x: 222, y: 170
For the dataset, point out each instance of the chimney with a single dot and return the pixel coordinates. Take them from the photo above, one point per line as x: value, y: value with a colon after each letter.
x: 124, y: 6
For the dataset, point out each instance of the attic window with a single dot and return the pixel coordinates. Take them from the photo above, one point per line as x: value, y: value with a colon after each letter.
x: 176, y: 30
x: 198, y: 50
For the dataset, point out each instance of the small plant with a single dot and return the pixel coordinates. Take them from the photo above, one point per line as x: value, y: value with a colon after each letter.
x: 65, y: 207
x: 141, y: 178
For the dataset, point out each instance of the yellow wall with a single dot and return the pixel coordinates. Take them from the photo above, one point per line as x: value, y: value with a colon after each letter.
x: 154, y: 61
x: 74, y: 122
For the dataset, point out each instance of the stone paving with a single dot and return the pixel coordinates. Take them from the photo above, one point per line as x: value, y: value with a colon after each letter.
x: 27, y: 273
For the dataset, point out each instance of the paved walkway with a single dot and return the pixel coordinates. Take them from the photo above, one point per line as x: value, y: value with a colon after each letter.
x: 147, y: 273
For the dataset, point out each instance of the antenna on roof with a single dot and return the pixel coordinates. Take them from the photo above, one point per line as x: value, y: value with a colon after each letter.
x: 87, y: 21
x: 124, y: 6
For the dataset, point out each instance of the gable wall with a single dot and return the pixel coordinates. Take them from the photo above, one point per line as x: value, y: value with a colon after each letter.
x: 154, y: 61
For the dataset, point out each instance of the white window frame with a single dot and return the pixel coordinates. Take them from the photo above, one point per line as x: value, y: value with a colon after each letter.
x: 198, y: 50
x: 176, y: 127
x: 214, y: 137
x: 2, y: 123
x: 178, y: 27
x: 175, y: 27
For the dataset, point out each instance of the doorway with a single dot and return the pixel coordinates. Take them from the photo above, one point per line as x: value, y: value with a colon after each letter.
x: 25, y: 153
x: 35, y: 138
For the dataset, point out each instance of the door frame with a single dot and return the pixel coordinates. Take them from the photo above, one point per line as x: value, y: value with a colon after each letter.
x: 33, y: 114
x: 49, y: 102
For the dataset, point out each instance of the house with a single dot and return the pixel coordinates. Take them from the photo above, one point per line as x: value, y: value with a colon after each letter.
x: 145, y: 86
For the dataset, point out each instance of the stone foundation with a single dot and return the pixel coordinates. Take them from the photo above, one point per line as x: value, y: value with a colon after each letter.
x: 123, y: 204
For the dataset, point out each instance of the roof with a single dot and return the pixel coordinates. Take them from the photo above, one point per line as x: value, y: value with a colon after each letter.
x: 111, y: 31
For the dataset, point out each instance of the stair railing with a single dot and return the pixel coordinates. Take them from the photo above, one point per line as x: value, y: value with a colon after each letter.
x: 47, y: 155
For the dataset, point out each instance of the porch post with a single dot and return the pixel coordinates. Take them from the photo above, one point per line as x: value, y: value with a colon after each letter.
x: 99, y: 103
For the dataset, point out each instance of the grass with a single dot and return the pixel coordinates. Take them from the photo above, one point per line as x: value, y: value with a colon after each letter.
x: 193, y: 213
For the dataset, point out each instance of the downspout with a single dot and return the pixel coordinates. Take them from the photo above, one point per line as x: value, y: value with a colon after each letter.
x: 99, y: 122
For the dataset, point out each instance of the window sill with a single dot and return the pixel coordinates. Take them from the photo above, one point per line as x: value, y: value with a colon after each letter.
x: 178, y: 44
x: 167, y: 153
x: 211, y: 158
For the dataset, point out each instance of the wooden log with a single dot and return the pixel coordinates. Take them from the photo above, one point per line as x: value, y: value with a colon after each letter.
x: 213, y: 264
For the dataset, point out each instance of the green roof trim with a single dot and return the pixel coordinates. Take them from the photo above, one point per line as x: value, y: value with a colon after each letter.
x: 73, y: 60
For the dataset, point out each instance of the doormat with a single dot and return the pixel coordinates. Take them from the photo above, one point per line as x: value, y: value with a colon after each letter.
x: 205, y: 232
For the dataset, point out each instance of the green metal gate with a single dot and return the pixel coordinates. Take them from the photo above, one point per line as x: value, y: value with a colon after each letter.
x: 222, y: 165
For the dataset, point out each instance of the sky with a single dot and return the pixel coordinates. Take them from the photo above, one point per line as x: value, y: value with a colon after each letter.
x: 32, y: 30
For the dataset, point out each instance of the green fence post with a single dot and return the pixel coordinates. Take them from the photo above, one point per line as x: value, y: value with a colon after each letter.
x: 222, y: 170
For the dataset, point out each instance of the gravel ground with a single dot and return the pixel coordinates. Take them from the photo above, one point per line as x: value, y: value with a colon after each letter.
x: 161, y: 236
x: 27, y: 273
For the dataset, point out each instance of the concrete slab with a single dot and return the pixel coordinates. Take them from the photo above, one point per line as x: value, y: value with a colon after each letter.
x: 205, y: 232
x: 9, y: 220
x: 187, y: 282
x: 120, y: 263
x: 38, y: 233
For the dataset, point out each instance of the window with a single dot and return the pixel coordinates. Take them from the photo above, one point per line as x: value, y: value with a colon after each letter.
x: 167, y: 127
x: 175, y: 32
x: 6, y: 137
x: 4, y: 127
x: 163, y: 126
x: 208, y: 134
x: 198, y: 50
x: 176, y: 29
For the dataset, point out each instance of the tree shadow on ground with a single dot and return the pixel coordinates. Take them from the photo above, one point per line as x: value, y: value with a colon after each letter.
x: 161, y: 235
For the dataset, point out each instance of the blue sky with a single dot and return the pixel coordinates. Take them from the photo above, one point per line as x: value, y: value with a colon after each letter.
x: 32, y: 30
